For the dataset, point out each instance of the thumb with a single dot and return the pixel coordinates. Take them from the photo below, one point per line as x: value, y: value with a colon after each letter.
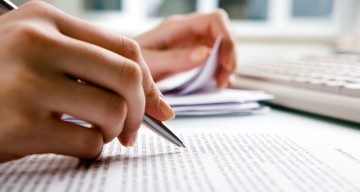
x: 164, y: 63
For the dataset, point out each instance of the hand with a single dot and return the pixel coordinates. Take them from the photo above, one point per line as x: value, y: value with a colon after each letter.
x: 44, y: 52
x: 183, y: 42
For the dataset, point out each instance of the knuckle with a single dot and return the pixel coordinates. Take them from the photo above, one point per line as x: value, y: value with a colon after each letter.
x: 25, y: 31
x: 38, y: 7
x: 130, y: 48
x: 221, y: 14
x: 34, y: 4
x: 33, y: 30
x: 153, y: 94
x: 172, y: 18
x: 27, y: 34
x: 134, y: 48
x: 133, y: 73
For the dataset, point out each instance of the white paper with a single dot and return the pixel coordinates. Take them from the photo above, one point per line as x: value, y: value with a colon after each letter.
x: 202, y: 77
x: 233, y: 110
x: 199, y: 88
x: 223, y: 107
x: 216, y: 96
x: 211, y: 162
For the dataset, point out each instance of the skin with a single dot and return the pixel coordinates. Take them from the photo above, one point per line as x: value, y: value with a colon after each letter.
x: 52, y: 64
x: 183, y: 42
x: 43, y: 54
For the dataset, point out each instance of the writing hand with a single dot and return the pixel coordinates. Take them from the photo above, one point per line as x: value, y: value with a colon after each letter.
x: 44, y: 53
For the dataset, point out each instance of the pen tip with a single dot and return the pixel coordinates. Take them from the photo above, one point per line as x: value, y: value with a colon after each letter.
x: 183, y: 146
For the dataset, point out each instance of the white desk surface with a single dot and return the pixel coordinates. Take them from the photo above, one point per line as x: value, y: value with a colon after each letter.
x: 277, y: 121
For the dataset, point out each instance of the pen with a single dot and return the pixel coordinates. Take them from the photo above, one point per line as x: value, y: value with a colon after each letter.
x: 155, y: 125
x: 7, y: 5
x: 161, y: 129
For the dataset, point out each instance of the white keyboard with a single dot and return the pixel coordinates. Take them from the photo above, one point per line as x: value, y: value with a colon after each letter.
x: 327, y: 85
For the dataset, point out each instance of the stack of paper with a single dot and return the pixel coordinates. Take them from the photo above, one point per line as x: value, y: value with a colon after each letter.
x: 218, y: 102
x: 195, y: 93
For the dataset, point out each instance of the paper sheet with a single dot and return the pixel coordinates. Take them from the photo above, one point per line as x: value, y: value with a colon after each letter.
x: 217, y: 96
x: 202, y: 78
x: 198, y: 88
x: 211, y: 162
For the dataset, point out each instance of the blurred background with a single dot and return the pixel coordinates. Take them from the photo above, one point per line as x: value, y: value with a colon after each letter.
x: 294, y: 21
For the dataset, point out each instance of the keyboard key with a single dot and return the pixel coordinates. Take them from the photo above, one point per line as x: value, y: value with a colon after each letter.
x: 299, y: 82
x: 351, y: 90
x: 330, y: 74
x: 315, y: 84
x: 323, y: 84
x: 333, y: 86
x: 354, y: 80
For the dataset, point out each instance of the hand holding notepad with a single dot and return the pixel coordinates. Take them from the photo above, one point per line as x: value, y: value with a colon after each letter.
x: 197, y: 94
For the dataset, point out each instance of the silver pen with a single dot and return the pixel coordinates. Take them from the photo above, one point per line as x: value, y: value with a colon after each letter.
x: 161, y: 129
x: 155, y: 125
x: 6, y: 5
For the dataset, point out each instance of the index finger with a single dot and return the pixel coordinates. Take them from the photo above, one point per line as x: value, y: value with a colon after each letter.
x: 155, y: 105
x: 84, y: 31
x: 123, y: 46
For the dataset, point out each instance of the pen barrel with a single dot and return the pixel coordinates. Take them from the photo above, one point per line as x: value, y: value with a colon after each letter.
x: 159, y: 128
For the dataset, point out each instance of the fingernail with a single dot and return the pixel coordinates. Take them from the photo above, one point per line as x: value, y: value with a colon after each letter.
x: 199, y: 54
x: 129, y: 142
x: 166, y: 110
x: 132, y: 141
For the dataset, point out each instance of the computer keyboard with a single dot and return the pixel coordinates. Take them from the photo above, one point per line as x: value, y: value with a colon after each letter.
x: 324, y: 84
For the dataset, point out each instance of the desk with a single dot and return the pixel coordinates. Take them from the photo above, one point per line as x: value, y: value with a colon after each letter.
x: 279, y: 121
x: 253, y: 161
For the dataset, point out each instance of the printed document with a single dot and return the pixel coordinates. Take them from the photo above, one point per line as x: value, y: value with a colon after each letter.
x: 211, y: 162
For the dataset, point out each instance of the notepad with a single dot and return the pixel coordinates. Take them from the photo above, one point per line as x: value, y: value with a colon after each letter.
x: 195, y: 93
